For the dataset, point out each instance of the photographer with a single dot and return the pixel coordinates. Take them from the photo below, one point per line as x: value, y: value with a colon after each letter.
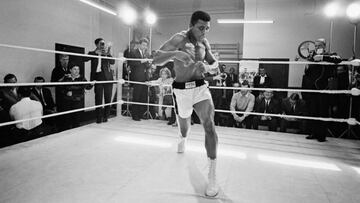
x: 101, y: 71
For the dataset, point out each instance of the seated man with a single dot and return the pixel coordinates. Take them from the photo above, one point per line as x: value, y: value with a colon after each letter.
x: 8, y: 97
x: 266, y: 104
x: 242, y: 100
x: 293, y: 105
x: 24, y: 109
x: 44, y: 96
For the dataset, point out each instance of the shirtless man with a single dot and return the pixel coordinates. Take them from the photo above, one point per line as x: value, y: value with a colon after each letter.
x: 192, y: 57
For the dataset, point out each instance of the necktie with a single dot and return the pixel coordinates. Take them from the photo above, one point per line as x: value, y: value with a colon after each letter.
x: 266, y: 106
x: 42, y: 98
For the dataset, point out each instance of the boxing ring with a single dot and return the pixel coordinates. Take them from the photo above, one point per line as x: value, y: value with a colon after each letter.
x: 127, y: 161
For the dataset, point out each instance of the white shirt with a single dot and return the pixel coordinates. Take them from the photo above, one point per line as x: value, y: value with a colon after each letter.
x: 262, y: 79
x: 98, y: 68
x: 26, y: 108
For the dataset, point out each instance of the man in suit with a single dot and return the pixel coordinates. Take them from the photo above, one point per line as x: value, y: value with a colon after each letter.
x: 44, y: 96
x: 317, y: 77
x: 261, y: 80
x: 231, y: 78
x: 266, y: 104
x: 293, y: 105
x: 101, y: 71
x: 58, y: 75
x: 8, y: 97
x: 138, y: 73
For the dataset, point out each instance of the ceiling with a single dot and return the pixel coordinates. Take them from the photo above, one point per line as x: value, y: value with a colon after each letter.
x: 166, y: 8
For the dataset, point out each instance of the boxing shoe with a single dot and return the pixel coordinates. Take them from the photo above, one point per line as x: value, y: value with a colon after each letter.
x: 181, y: 144
x: 212, y: 189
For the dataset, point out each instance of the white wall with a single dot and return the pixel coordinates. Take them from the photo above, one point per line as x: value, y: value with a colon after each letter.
x: 166, y: 27
x: 295, y: 21
x: 41, y: 24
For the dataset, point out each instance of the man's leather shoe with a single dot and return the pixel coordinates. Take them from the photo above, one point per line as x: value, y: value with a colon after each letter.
x: 310, y: 137
x: 136, y: 119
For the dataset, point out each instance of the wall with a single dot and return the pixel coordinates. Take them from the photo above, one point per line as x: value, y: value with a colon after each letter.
x: 295, y: 21
x: 219, y: 33
x: 42, y: 23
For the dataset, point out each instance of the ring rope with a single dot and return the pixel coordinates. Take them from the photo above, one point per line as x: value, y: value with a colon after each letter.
x: 354, y: 91
x: 350, y: 121
x: 60, y: 113
x: 354, y: 63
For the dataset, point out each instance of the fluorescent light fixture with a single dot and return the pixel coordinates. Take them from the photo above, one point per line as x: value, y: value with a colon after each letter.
x: 242, y: 21
x: 150, y: 17
x: 128, y: 14
x: 332, y: 9
x: 298, y: 162
x: 98, y: 6
x: 140, y: 141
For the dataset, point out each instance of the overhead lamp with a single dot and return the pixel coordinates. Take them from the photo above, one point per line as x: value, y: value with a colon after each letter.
x: 332, y: 9
x: 150, y: 17
x: 98, y: 6
x: 353, y: 12
x: 128, y: 14
x: 243, y: 21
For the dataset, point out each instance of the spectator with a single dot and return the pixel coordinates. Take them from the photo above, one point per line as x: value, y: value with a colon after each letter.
x: 74, y: 96
x: 58, y: 75
x: 101, y: 71
x: 261, y: 80
x: 24, y: 109
x: 269, y: 105
x: 242, y: 100
x: 8, y: 97
x: 317, y: 77
x: 165, y: 92
x: 293, y: 105
x: 126, y: 67
x: 231, y: 78
x: 43, y: 95
x: 138, y: 74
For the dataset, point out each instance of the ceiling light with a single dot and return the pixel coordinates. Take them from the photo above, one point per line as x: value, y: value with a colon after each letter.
x: 353, y: 11
x: 128, y: 14
x: 242, y: 21
x: 332, y: 9
x: 150, y: 17
x: 98, y: 6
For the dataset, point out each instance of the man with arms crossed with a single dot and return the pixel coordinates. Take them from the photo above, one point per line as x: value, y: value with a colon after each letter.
x: 192, y: 57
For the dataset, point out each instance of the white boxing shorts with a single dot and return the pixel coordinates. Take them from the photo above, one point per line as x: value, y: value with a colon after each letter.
x: 187, y: 94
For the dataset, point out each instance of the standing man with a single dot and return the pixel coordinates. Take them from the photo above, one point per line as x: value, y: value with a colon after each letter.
x: 58, y: 75
x: 192, y: 57
x: 138, y: 74
x: 262, y: 80
x: 317, y: 77
x: 101, y: 71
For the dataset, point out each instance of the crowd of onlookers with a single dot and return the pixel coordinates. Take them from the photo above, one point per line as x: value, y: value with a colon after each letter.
x: 22, y: 102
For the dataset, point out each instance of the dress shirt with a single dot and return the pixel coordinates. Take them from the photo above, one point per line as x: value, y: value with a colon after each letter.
x: 98, y: 68
x: 262, y: 79
x: 26, y: 108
